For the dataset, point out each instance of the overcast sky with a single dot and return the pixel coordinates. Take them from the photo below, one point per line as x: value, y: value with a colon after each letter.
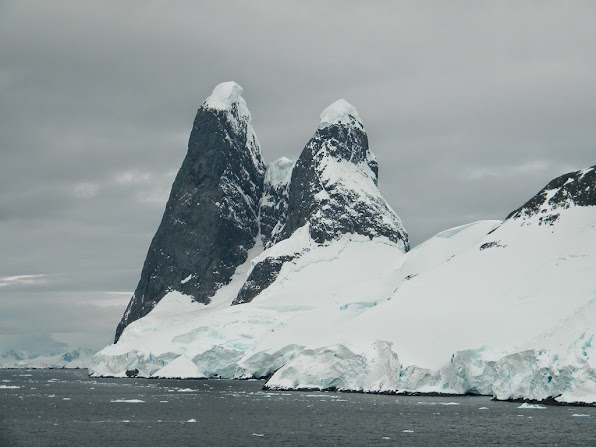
x: 470, y: 107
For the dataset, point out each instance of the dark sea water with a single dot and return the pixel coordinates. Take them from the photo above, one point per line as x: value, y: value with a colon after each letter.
x: 65, y: 407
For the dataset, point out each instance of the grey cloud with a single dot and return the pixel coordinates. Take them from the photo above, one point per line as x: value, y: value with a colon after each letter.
x: 470, y: 108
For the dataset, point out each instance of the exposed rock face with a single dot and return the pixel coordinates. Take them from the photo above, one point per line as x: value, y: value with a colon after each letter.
x: 334, y: 184
x: 262, y: 276
x: 573, y: 189
x: 333, y: 191
x: 211, y: 218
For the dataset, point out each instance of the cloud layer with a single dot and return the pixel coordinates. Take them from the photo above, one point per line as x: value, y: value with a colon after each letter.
x: 470, y: 109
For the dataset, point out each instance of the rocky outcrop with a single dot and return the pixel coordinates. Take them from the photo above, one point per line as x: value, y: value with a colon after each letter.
x: 572, y: 189
x: 211, y: 217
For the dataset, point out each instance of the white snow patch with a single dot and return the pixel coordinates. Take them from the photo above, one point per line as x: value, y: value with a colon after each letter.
x: 185, y: 280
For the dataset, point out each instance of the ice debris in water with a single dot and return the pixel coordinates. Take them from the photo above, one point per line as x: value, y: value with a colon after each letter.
x: 128, y: 401
x: 526, y: 406
x: 186, y: 390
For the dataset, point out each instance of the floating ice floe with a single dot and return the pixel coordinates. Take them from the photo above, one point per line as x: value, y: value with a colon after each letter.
x: 526, y: 406
x: 186, y: 390
x: 128, y: 401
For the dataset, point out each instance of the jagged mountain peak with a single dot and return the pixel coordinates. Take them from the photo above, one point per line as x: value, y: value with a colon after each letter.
x: 334, y: 184
x: 576, y: 188
x: 211, y: 219
x: 332, y: 192
x: 340, y: 112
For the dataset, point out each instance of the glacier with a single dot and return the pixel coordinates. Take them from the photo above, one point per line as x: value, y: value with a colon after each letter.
x: 527, y: 336
x: 330, y: 297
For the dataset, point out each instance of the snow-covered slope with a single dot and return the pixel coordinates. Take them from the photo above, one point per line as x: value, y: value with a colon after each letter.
x: 330, y: 298
x: 75, y: 358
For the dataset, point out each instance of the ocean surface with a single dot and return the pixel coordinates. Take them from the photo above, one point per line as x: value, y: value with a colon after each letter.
x: 65, y: 407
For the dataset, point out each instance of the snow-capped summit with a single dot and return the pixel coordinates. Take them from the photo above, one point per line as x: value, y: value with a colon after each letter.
x: 225, y: 95
x: 334, y: 184
x: 211, y: 219
x: 340, y: 112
